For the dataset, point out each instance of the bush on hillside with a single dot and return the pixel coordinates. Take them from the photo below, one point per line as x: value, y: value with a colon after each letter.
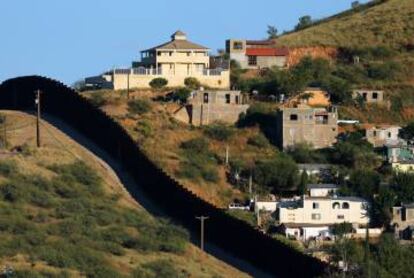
x: 139, y: 106
x: 219, y: 132
x: 98, y: 99
x: 158, y: 83
x: 197, y: 145
x: 192, y: 83
x: 259, y: 141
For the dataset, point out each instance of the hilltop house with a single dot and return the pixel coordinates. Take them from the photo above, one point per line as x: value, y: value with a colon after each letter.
x: 175, y: 61
x: 207, y: 106
x: 304, y: 124
x: 257, y: 54
x: 369, y: 96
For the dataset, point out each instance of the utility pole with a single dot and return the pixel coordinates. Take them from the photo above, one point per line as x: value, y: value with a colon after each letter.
x: 37, y: 101
x: 202, y: 218
x: 227, y: 155
x: 129, y: 72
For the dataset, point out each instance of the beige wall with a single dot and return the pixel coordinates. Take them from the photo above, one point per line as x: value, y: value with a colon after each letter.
x: 403, y: 167
x: 306, y: 129
x: 120, y: 81
x: 328, y: 215
x: 378, y: 137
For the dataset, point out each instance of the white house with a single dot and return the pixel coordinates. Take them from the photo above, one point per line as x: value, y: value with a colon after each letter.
x: 311, y: 216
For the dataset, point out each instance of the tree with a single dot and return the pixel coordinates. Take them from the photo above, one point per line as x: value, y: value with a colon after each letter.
x: 304, y: 21
x: 380, y: 209
x: 407, y: 132
x: 192, y: 83
x: 158, y: 83
x: 280, y: 173
x: 404, y: 186
x: 271, y: 32
x: 364, y: 183
x: 355, y: 5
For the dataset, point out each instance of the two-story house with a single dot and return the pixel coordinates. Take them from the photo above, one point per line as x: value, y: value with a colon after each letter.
x: 313, y: 216
x: 303, y: 124
x: 174, y: 61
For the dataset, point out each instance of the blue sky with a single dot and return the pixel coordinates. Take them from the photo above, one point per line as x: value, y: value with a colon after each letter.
x: 72, y: 39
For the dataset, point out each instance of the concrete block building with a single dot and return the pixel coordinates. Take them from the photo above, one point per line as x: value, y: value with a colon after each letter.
x: 382, y: 135
x: 303, y: 124
x: 206, y: 107
x: 174, y: 60
x: 403, y: 221
x: 257, y: 54
x: 369, y: 96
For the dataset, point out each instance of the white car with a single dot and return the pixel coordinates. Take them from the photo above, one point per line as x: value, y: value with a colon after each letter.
x: 239, y: 206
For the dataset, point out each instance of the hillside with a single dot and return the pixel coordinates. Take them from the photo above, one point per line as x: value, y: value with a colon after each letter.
x: 390, y: 23
x: 66, y: 214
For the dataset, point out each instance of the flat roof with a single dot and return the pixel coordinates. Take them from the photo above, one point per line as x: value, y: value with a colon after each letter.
x: 320, y: 186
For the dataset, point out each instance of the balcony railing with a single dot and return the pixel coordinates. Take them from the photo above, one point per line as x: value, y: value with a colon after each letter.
x: 153, y: 71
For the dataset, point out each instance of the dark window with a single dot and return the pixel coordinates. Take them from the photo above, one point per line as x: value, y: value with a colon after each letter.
x: 227, y: 98
x: 252, y: 60
x: 341, y: 216
x: 389, y: 134
x: 345, y: 205
x: 205, y: 97
x: 364, y: 95
x: 238, y: 45
x: 374, y: 95
x: 293, y: 117
x: 315, y: 205
x: 237, y: 100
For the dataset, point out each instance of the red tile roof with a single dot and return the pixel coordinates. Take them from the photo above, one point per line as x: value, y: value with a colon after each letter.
x: 267, y: 51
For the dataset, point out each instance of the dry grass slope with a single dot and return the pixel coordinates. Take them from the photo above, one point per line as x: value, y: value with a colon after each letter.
x: 390, y: 23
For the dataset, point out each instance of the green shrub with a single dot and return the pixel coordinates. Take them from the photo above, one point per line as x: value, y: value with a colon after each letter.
x: 210, y: 174
x: 98, y: 99
x: 198, y: 145
x: 139, y: 106
x: 182, y: 95
x: 161, y: 269
x: 258, y: 140
x: 192, y: 83
x: 158, y: 83
x: 144, y: 128
x: 219, y: 132
x: 8, y: 168
x: 12, y: 193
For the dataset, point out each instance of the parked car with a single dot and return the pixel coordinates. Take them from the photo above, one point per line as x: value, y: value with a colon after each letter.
x: 239, y: 206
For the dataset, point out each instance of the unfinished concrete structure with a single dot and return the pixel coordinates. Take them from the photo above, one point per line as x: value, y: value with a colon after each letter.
x: 382, y: 135
x: 369, y: 96
x: 403, y: 220
x: 206, y: 107
x: 303, y: 124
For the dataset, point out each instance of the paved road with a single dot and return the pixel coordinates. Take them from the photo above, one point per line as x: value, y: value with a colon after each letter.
x: 134, y: 190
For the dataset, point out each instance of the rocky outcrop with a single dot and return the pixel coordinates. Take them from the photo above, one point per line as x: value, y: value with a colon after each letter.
x: 297, y: 53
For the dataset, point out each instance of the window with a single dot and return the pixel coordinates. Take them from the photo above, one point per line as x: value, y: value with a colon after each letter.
x: 205, y: 98
x: 170, y: 53
x: 336, y: 205
x: 389, y: 134
x: 374, y: 95
x: 227, y: 98
x: 375, y: 133
x: 341, y: 216
x: 315, y: 205
x: 345, y: 205
x: 237, y: 100
x: 293, y: 117
x: 237, y: 45
x: 252, y: 60
x: 316, y: 216
x: 364, y: 95
x: 188, y: 53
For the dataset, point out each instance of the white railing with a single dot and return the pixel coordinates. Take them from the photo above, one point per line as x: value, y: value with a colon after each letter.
x: 146, y: 71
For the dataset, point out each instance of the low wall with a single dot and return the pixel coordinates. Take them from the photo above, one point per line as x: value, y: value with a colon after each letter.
x: 120, y: 81
x: 230, y: 234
